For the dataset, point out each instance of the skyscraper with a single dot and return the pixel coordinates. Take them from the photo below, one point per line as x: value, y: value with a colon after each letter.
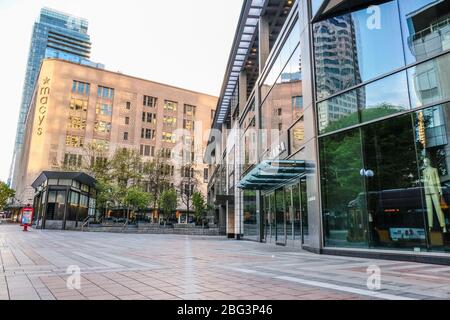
x: 55, y: 35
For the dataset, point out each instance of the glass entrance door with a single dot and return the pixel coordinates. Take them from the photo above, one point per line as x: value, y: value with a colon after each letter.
x: 304, y: 212
x: 280, y: 216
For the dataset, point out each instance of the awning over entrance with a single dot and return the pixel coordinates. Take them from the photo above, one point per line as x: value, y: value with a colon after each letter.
x: 269, y: 175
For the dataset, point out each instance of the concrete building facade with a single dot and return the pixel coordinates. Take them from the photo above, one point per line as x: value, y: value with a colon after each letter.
x: 76, y: 106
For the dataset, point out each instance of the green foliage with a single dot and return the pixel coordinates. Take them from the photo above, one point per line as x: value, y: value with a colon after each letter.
x: 125, y: 168
x: 136, y: 199
x: 368, y: 114
x: 5, y: 194
x: 156, y: 175
x: 199, y: 203
x: 107, y: 194
x: 168, y: 203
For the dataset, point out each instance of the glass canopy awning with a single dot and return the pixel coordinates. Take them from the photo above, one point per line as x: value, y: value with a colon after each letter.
x: 269, y: 175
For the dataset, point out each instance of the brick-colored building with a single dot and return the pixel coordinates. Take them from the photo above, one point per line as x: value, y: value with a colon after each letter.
x: 76, y: 105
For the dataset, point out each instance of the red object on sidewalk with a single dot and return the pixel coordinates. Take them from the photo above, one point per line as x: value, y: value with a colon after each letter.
x: 27, y: 218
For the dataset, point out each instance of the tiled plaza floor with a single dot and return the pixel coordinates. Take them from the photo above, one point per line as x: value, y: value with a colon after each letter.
x: 34, y: 265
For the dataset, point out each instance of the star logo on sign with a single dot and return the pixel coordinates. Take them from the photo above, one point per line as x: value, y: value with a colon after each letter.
x: 46, y: 80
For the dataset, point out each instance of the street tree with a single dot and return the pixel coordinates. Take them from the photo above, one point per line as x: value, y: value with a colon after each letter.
x: 135, y: 199
x: 188, y: 184
x: 156, y: 174
x: 199, y: 203
x: 6, y: 193
x: 168, y: 203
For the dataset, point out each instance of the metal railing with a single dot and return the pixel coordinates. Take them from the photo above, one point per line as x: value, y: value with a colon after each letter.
x: 85, y: 223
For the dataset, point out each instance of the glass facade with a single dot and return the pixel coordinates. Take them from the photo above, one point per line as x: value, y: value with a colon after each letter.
x: 382, y: 115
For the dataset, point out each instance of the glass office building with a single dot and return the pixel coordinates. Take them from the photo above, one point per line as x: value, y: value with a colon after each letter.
x: 55, y: 35
x: 339, y: 132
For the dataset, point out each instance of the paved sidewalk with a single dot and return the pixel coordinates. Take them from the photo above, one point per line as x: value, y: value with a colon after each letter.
x: 34, y: 265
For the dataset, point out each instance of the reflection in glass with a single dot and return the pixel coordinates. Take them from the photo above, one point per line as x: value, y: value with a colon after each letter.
x: 394, y: 198
x: 430, y: 81
x: 338, y: 112
x: 280, y: 217
x: 384, y: 97
x: 297, y: 135
x: 283, y: 105
x: 250, y: 219
x: 426, y: 28
x: 343, y: 197
x: 432, y: 143
x: 378, y: 99
x: 355, y: 47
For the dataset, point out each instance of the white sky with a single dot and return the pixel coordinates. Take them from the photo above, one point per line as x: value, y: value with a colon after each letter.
x: 185, y: 43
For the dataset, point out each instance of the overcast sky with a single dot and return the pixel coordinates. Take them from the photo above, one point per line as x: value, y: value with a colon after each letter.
x: 185, y: 43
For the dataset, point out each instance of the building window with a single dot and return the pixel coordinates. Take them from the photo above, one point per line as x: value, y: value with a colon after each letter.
x: 72, y: 160
x: 74, y: 141
x: 104, y: 109
x: 76, y: 123
x: 78, y: 105
x: 127, y: 120
x: 102, y: 127
x: 169, y: 137
x: 170, y: 105
x: 81, y: 88
x: 213, y: 114
x: 166, y: 153
x: 105, y: 93
x: 128, y: 106
x: 102, y: 145
x: 170, y: 121
x: 125, y: 136
x: 205, y: 175
x: 189, y: 110
x: 188, y: 124
x: 150, y: 101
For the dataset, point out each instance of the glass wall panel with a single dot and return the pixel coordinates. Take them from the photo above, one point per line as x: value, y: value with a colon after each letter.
x: 378, y: 99
x: 394, y: 195
x: 343, y: 196
x: 356, y: 47
x: 283, y: 106
x: 432, y: 141
x: 338, y: 112
x: 430, y: 81
x: 280, y: 217
x: 250, y: 218
x: 426, y: 28
x: 384, y: 97
x: 297, y: 135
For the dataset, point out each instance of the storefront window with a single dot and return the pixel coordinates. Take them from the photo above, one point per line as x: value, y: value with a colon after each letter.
x: 432, y: 142
x: 387, y: 184
x: 391, y: 175
x: 343, y: 196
